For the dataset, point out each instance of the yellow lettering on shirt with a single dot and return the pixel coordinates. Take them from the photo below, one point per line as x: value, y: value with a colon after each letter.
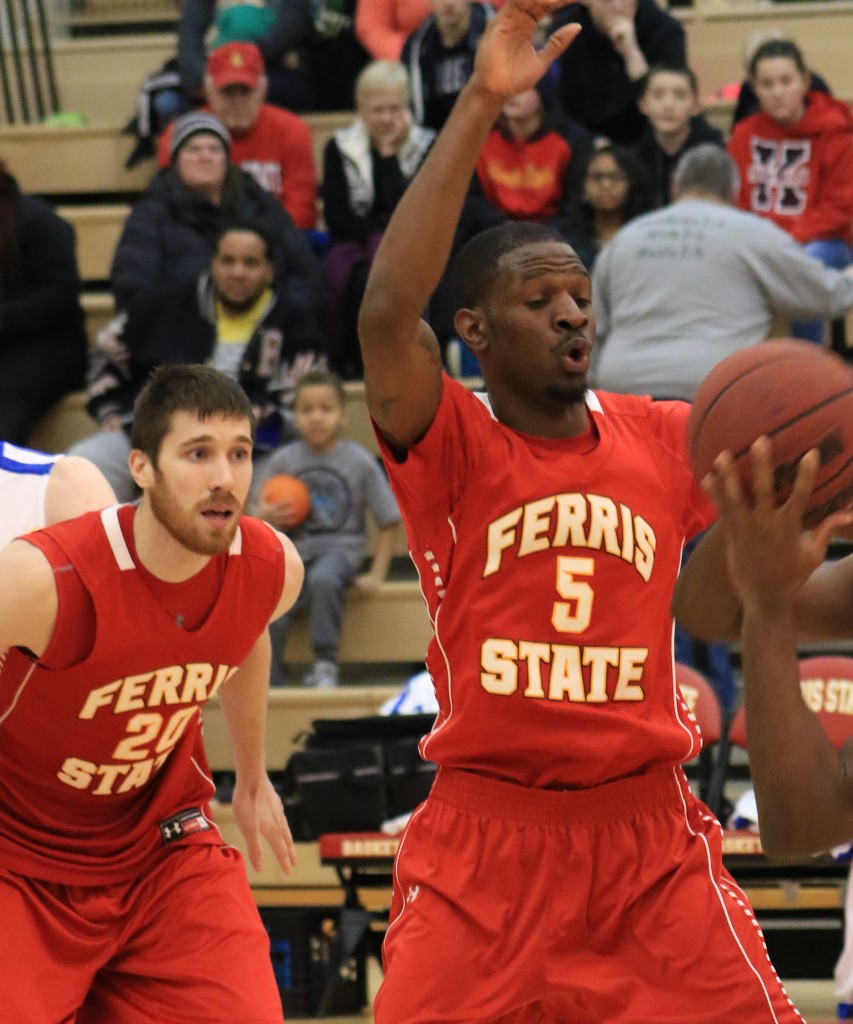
x: 150, y: 736
x: 531, y: 176
x: 193, y: 683
x: 575, y: 520
x: 562, y: 672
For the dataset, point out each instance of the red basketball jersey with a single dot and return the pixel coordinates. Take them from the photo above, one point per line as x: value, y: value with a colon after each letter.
x: 548, y: 568
x: 99, y: 760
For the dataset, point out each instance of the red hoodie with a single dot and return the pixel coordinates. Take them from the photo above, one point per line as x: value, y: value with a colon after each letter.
x: 799, y: 176
x: 525, y: 179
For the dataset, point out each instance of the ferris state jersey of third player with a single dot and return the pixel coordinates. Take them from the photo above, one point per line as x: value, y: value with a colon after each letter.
x: 548, y: 567
x: 102, y: 762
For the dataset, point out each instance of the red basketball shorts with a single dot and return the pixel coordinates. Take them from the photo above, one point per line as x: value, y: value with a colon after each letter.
x: 182, y: 945
x: 519, y: 906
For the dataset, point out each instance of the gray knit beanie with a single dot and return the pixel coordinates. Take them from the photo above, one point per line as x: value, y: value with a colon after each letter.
x: 191, y: 124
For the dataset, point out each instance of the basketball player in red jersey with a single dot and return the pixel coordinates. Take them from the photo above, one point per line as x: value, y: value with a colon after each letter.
x: 762, y: 579
x: 560, y: 870
x: 120, y: 902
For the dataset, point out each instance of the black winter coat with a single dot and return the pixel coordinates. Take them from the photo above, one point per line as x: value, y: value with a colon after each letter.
x: 171, y: 233
x: 594, y: 86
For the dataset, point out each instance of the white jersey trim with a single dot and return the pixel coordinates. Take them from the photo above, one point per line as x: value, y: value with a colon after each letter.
x: 123, y: 557
x: 591, y: 400
x: 112, y: 528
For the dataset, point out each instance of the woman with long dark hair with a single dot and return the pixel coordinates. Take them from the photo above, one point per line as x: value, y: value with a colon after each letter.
x: 615, y: 189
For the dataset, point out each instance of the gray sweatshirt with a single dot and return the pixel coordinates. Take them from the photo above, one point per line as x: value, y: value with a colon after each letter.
x: 680, y: 289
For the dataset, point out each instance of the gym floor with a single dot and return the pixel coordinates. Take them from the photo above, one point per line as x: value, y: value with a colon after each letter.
x: 814, y: 999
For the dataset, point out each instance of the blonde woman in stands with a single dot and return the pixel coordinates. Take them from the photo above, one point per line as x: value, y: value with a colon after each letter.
x: 367, y: 167
x: 42, y: 338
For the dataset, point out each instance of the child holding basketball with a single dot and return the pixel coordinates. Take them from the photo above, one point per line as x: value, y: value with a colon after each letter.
x: 345, y: 483
x: 794, y: 157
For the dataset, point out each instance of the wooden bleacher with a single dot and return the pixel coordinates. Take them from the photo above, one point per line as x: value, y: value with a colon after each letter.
x: 290, y: 711
x: 63, y: 161
x: 717, y: 31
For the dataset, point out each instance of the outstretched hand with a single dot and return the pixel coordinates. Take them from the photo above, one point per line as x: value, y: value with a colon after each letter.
x: 769, y: 552
x: 259, y: 814
x: 507, y: 63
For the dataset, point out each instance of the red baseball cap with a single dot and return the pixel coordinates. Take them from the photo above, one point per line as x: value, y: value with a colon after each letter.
x: 235, y: 64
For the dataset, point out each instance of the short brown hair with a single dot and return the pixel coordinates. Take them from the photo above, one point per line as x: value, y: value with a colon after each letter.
x: 319, y: 379
x: 184, y: 387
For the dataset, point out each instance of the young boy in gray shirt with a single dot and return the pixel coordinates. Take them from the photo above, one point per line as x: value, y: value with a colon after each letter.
x: 345, y: 483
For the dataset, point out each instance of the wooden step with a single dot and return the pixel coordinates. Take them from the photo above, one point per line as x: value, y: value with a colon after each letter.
x: 70, y: 160
x: 390, y: 625
x: 64, y: 424
x: 290, y: 711
x: 89, y: 160
x: 717, y: 33
x: 98, y: 229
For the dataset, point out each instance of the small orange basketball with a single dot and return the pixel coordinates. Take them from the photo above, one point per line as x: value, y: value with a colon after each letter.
x: 288, y: 488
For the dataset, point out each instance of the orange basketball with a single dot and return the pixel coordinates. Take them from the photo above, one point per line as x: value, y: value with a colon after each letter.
x: 288, y: 488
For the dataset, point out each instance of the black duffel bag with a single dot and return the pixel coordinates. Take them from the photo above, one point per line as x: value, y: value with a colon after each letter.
x: 355, y: 773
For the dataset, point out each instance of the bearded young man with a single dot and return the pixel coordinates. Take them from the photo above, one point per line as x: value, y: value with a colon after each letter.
x: 120, y: 900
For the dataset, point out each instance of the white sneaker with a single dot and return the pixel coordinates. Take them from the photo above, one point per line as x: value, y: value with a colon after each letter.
x: 323, y: 675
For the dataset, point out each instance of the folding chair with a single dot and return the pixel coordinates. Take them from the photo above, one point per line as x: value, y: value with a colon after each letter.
x: 827, y: 687
x: 700, y: 698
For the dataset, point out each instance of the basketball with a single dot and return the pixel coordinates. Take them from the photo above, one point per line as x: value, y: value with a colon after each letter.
x: 800, y: 396
x: 288, y: 488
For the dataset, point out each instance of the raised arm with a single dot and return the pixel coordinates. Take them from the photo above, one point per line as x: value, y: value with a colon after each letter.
x: 402, y: 363
x: 802, y: 785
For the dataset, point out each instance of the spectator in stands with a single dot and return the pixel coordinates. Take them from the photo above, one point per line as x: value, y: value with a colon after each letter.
x: 272, y: 144
x: 366, y: 168
x: 657, y: 285
x: 528, y: 169
x: 670, y: 101
x: 794, y: 157
x: 42, y: 335
x: 601, y: 84
x: 170, y: 234
x: 439, y: 56
x: 284, y: 48
x: 383, y: 26
x: 232, y: 317
x: 662, y: 326
x: 746, y: 103
x: 346, y: 483
x: 615, y: 190
x: 336, y: 53
x: 241, y: 21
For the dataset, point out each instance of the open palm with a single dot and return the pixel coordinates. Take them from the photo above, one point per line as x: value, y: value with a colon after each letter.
x: 507, y: 63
